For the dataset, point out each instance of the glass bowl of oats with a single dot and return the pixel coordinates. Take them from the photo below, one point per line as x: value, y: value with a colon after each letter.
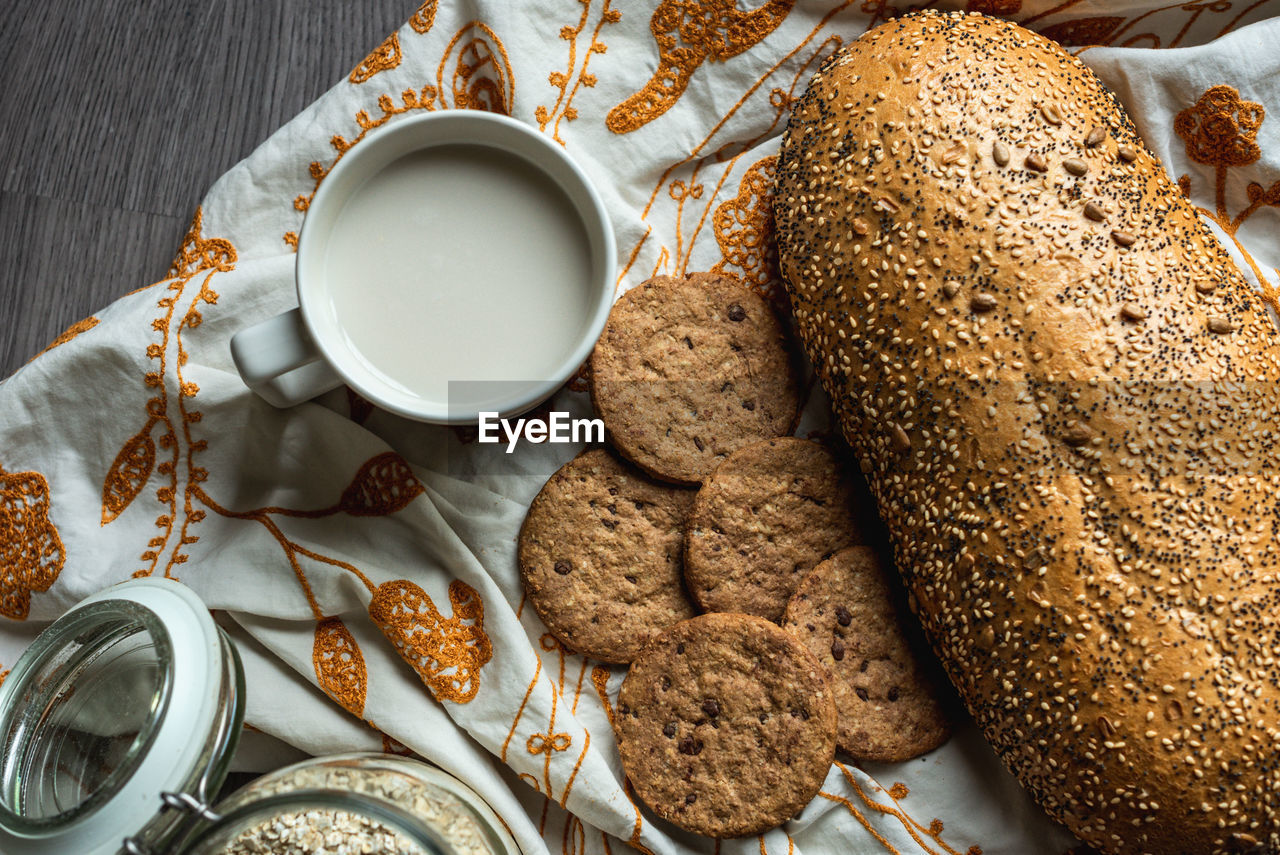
x: 352, y: 804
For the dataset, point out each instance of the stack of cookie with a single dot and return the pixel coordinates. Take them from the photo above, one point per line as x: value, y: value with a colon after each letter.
x: 728, y: 723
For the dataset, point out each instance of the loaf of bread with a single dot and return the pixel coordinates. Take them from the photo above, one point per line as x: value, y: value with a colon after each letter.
x: 1064, y: 396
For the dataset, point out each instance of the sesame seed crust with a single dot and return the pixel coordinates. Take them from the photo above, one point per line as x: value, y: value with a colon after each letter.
x: 1063, y: 394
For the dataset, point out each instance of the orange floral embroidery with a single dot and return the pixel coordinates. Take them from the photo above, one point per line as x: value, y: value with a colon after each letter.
x: 920, y: 833
x: 422, y: 20
x: 199, y: 253
x: 1260, y: 196
x: 31, y: 551
x: 129, y: 473
x: 1163, y: 19
x: 1083, y: 31
x: 1221, y: 129
x: 528, y: 693
x: 383, y: 485
x: 679, y: 192
x: 994, y: 7
x: 545, y: 743
x: 675, y: 259
x: 600, y: 679
x: 199, y: 258
x: 384, y: 57
x: 339, y: 665
x: 548, y: 740
x: 447, y: 653
x: 744, y: 230
x: 563, y: 107
x: 71, y: 332
x: 481, y: 76
x: 573, y: 840
x: 688, y: 33
x: 560, y: 79
x: 411, y: 100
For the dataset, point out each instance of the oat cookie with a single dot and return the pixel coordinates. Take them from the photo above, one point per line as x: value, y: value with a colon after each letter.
x: 844, y: 614
x: 689, y: 369
x: 600, y: 554
x: 726, y: 725
x: 764, y: 518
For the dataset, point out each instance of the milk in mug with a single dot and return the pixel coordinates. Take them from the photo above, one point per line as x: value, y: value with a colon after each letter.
x: 459, y: 262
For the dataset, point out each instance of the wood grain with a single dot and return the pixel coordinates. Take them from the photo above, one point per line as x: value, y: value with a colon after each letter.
x: 118, y: 115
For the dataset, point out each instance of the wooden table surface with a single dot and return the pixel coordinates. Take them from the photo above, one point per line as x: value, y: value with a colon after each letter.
x: 117, y: 115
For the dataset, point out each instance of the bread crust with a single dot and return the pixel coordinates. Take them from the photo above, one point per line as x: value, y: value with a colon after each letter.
x: 1063, y: 394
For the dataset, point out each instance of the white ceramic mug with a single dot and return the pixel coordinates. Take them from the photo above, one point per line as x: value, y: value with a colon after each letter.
x: 451, y: 263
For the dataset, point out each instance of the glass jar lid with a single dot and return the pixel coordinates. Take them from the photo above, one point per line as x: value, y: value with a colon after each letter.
x: 117, y: 725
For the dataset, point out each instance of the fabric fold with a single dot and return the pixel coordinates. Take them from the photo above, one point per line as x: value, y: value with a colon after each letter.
x: 365, y: 564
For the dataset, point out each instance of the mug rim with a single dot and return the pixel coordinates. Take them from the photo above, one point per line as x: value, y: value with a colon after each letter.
x: 594, y: 221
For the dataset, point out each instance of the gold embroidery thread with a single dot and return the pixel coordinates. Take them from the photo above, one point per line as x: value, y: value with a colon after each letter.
x: 779, y: 100
x: 563, y: 109
x: 744, y: 231
x: 339, y: 665
x: 139, y: 459
x: 384, y: 484
x: 422, y: 20
x: 80, y: 326
x: 545, y: 743
x: 31, y: 550
x: 689, y: 33
x: 1221, y: 130
x: 481, y: 76
x: 199, y: 253
x: 129, y: 473
x: 915, y: 829
x: 384, y: 57
x: 447, y: 653
x: 994, y: 7
x: 560, y: 79
x: 410, y: 100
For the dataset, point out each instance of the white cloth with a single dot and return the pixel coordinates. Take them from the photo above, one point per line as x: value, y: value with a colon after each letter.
x: 132, y: 446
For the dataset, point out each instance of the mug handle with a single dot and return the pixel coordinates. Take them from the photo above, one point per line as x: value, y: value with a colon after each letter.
x: 278, y: 360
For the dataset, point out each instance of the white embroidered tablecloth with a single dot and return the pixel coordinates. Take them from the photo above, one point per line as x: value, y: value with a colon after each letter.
x: 131, y: 447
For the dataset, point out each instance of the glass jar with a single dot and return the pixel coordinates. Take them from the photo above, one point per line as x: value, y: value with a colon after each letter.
x: 355, y: 803
x: 118, y: 724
